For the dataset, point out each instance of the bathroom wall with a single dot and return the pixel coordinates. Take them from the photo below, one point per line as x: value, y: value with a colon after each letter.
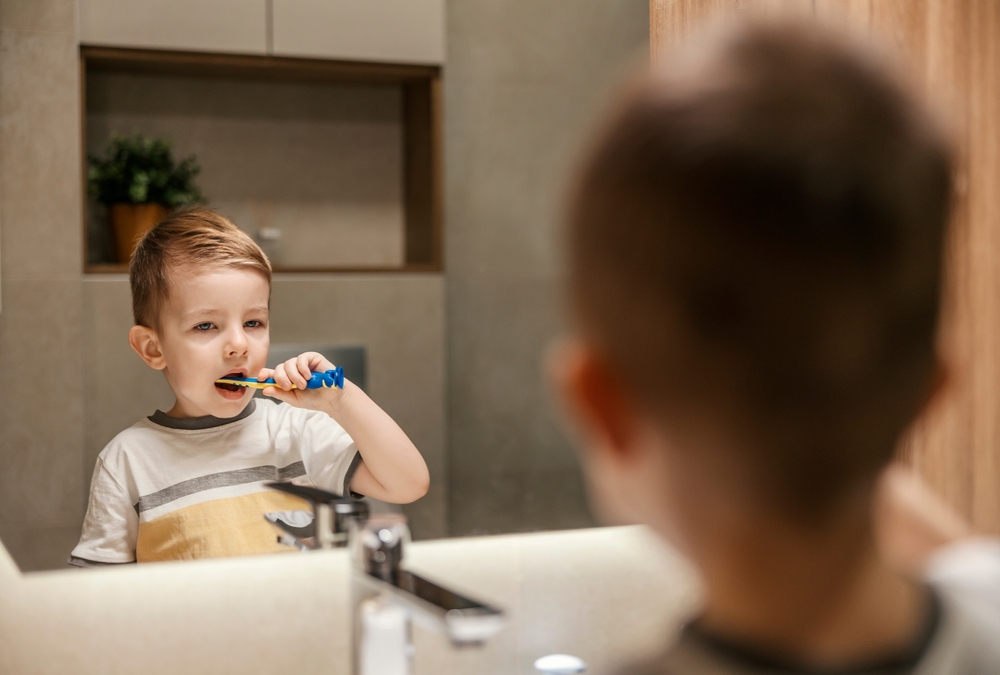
x: 522, y: 81
x: 41, y: 355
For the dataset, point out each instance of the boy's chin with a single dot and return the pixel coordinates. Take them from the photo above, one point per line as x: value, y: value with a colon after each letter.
x: 229, y: 404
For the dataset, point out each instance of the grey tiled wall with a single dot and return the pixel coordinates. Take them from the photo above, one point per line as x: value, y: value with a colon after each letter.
x: 41, y: 402
x: 523, y: 80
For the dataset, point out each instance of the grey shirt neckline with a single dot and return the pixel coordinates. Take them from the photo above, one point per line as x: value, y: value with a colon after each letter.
x: 198, y: 423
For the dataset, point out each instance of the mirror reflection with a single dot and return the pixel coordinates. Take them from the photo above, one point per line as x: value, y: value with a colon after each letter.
x: 405, y: 194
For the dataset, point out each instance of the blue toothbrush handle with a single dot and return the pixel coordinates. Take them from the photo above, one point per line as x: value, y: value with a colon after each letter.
x: 331, y: 378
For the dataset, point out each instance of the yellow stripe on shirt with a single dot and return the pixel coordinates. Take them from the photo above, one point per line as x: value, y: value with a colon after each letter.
x: 229, y: 526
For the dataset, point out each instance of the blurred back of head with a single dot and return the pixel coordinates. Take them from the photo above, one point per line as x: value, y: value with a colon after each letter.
x: 756, y: 244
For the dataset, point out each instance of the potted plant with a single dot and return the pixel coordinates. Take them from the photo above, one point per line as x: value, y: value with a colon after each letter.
x: 139, y: 182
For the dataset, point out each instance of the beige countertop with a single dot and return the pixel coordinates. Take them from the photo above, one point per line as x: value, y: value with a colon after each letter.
x: 602, y: 594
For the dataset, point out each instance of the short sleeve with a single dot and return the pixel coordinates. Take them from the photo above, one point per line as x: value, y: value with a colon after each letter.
x: 111, y: 526
x: 329, y: 454
x: 970, y: 570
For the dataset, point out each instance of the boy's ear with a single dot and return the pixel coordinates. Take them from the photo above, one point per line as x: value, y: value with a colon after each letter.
x: 939, y: 387
x: 146, y: 344
x: 593, y: 395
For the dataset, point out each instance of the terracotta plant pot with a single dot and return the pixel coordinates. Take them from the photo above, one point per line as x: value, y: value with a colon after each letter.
x: 129, y: 222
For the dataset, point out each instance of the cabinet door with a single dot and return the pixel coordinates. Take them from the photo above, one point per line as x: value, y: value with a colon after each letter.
x: 397, y: 31
x: 197, y: 25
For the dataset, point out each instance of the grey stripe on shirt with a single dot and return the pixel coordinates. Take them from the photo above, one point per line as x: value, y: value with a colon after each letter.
x: 351, y: 470
x: 256, y: 474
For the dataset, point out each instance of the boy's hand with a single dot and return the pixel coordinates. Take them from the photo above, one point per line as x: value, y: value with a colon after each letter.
x: 297, y: 372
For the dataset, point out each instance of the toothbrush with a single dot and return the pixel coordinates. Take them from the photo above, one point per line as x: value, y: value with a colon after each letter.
x: 331, y: 378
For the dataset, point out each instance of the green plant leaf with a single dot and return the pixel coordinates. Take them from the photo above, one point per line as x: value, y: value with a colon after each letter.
x: 140, y: 169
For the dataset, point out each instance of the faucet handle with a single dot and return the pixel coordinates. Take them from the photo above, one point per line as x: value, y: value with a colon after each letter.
x: 379, y: 546
x: 332, y: 512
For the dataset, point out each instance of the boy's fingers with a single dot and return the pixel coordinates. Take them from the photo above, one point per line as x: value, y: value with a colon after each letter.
x: 304, y: 363
x: 319, y: 363
x: 292, y: 370
x: 264, y: 374
x: 281, y: 377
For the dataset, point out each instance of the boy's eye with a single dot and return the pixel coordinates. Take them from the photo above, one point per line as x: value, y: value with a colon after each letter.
x: 204, y: 326
x: 253, y: 323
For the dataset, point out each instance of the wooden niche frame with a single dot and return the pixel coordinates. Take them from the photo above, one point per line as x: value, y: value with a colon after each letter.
x: 422, y: 145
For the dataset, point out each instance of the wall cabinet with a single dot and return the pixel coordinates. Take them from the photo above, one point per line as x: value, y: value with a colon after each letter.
x: 199, y: 25
x: 383, y: 31
x: 399, y: 31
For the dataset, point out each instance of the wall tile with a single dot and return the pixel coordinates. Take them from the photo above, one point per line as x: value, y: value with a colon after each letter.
x: 40, y: 547
x: 510, y: 467
x: 40, y: 167
x: 41, y: 408
x: 545, y: 41
x: 120, y: 388
x: 524, y: 80
x: 54, y: 16
x: 495, y: 501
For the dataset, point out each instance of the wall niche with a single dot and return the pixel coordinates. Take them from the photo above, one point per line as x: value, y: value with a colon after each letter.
x: 331, y: 166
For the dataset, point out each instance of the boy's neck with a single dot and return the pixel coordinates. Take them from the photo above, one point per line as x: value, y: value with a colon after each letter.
x: 818, y: 596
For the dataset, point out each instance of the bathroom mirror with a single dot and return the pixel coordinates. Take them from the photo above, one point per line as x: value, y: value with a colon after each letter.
x: 410, y: 200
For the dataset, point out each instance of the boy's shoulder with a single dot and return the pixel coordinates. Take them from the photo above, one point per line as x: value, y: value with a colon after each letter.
x: 959, y: 639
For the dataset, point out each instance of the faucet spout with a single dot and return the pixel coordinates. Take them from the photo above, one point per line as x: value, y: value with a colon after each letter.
x: 388, y: 598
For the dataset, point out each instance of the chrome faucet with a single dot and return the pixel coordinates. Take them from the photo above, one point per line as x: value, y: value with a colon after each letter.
x: 329, y: 524
x: 386, y: 597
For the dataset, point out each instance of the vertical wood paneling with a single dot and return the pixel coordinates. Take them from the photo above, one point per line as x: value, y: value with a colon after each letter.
x: 984, y: 219
x: 941, y: 445
x: 672, y: 20
x: 951, y: 48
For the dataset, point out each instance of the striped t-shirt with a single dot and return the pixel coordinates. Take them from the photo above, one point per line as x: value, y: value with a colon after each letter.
x: 170, y: 489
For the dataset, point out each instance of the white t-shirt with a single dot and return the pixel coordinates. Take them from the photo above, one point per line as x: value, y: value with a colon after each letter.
x: 168, y: 488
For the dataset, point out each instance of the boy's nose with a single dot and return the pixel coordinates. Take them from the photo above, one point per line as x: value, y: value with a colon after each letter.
x: 237, y: 345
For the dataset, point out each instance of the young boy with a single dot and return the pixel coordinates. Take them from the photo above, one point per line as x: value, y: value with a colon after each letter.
x: 189, y: 483
x: 755, y: 266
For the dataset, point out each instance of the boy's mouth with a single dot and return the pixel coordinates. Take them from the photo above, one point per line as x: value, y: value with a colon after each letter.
x: 233, y: 388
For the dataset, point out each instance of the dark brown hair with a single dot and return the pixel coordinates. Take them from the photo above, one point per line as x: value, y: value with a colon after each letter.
x: 196, y: 236
x: 757, y: 234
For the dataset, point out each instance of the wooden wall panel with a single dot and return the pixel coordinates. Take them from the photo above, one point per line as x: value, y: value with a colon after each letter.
x: 673, y: 20
x: 984, y: 219
x: 951, y: 50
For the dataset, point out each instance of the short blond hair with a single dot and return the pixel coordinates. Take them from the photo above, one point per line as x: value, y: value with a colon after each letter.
x: 197, y: 236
